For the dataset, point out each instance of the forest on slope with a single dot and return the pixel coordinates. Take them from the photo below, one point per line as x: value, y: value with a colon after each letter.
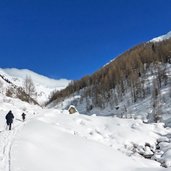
x: 126, y: 73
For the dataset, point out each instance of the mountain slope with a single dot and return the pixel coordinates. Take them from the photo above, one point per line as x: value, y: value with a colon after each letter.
x: 44, y: 85
x: 9, y: 89
x: 117, y: 88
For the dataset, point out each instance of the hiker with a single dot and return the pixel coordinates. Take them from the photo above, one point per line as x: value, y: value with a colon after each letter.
x: 23, y: 116
x: 9, y: 119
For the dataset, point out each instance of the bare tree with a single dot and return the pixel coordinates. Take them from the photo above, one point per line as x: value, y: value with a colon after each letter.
x: 156, y: 101
x: 29, y: 86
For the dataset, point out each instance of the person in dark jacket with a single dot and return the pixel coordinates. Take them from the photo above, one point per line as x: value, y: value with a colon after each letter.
x: 23, y: 116
x: 9, y: 119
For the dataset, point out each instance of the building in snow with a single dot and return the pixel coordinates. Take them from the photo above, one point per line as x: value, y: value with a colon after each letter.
x: 72, y: 109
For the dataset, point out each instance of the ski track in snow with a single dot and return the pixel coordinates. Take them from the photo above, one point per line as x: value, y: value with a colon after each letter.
x: 6, y: 141
x: 85, y: 127
x: 7, y: 137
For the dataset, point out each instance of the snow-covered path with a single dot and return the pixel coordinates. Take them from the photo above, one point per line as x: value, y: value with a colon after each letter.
x: 7, y: 137
x: 54, y: 141
x: 46, y: 147
x: 6, y: 142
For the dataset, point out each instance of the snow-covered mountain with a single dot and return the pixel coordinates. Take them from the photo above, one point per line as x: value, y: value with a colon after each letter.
x: 125, y: 86
x: 161, y: 38
x: 44, y: 85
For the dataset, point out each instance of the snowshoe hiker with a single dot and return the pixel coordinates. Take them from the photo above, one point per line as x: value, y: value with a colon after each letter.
x: 23, y: 116
x: 9, y: 119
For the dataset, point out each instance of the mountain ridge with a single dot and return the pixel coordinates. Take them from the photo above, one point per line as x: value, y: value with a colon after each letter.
x: 162, y: 37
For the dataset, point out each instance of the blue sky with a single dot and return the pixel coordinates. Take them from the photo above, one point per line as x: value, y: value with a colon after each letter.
x: 73, y: 38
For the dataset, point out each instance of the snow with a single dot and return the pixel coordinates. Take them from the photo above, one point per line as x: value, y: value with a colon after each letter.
x: 64, y: 104
x: 44, y: 85
x: 161, y: 38
x: 51, y: 139
x: 58, y: 141
x: 7, y: 137
x: 37, y: 78
x: 61, y: 151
